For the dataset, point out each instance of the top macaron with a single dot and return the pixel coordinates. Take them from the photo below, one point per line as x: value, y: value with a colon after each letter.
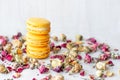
x: 38, y: 25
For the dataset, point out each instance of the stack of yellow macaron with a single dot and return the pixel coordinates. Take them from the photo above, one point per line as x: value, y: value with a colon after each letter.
x: 37, y: 38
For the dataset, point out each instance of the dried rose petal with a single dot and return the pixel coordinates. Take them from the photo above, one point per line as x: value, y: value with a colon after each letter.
x: 92, y: 77
x: 9, y: 68
x: 16, y: 75
x: 88, y: 58
x: 58, y: 47
x: 68, y: 69
x: 63, y: 45
x: 47, y: 77
x: 58, y: 69
x: 43, y: 69
x: 104, y: 57
x: 19, y: 34
x: 92, y: 40
x: 24, y: 50
x: 94, y: 47
x: 19, y: 69
x: 82, y: 73
x: 9, y: 57
x: 34, y: 79
x: 26, y: 66
x: 110, y: 63
x: 104, y: 47
x: 4, y: 53
x: 68, y: 41
x: 3, y: 40
x: 61, y: 57
x: 79, y: 57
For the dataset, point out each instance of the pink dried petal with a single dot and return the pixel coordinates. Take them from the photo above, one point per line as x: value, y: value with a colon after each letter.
x: 104, y: 57
x: 92, y: 77
x: 88, y: 58
x: 79, y: 57
x: 110, y: 63
x: 68, y: 41
x: 68, y: 69
x: 82, y: 73
x: 19, y: 34
x: 46, y: 78
x: 52, y: 45
x: 2, y: 58
x: 118, y: 57
x: 58, y: 69
x: 61, y: 57
x: 9, y: 57
x: 104, y: 47
x: 3, y: 53
x: 26, y: 66
x: 58, y: 47
x: 34, y: 79
x: 3, y: 40
x: 15, y: 37
x: 24, y: 50
x: 43, y: 69
x: 19, y: 69
x: 9, y: 68
x: 94, y: 47
x: 63, y: 45
x: 92, y: 40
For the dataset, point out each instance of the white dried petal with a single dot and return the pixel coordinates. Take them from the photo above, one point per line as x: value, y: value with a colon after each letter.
x: 101, y: 66
x: 56, y: 62
x: 2, y: 68
x: 63, y: 37
x: 57, y: 77
x: 109, y: 73
x: 79, y: 37
x: 99, y: 73
x: 16, y: 75
x: 55, y: 38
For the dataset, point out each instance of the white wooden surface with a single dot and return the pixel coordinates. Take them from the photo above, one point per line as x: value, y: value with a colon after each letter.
x: 91, y: 18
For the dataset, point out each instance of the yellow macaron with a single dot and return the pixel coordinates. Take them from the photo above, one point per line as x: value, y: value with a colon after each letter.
x: 38, y: 26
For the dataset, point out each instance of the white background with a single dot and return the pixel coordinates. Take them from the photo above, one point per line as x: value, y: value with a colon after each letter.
x: 91, y: 18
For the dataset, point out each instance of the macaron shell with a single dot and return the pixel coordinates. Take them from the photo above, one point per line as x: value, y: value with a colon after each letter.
x: 45, y: 55
x: 38, y: 22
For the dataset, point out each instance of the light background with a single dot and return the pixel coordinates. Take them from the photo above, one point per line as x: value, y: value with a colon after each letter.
x: 91, y: 18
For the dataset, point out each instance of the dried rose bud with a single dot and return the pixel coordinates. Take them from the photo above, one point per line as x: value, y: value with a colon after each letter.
x: 57, y: 77
x: 79, y: 57
x: 16, y: 75
x: 2, y: 68
x: 104, y: 57
x: 47, y: 77
x: 55, y: 38
x: 43, y: 69
x: 17, y: 43
x: 58, y: 69
x: 109, y: 73
x: 79, y: 37
x: 9, y: 69
x: 34, y: 79
x: 63, y: 37
x: 4, y: 53
x: 99, y: 73
x: 9, y: 57
x: 110, y: 63
x: 101, y: 66
x: 55, y: 63
x: 88, y: 58
x: 3, y: 41
x: 92, y: 40
x: 82, y: 73
x: 63, y: 45
x: 7, y: 47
